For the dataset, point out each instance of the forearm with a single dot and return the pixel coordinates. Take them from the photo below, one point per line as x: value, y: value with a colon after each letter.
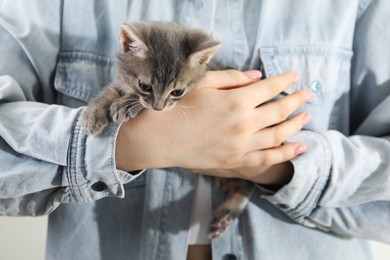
x: 49, y: 160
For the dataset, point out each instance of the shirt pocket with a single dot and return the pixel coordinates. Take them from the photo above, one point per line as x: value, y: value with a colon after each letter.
x: 80, y: 76
x: 323, y: 70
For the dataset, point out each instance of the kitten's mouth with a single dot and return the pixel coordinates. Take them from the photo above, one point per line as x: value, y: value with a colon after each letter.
x: 158, y: 108
x: 155, y: 107
x: 164, y: 109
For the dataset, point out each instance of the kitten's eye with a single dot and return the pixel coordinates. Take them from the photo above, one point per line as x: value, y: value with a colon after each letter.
x: 177, y: 92
x: 145, y: 87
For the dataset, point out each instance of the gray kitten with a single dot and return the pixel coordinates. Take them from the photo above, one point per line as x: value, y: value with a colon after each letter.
x: 159, y: 63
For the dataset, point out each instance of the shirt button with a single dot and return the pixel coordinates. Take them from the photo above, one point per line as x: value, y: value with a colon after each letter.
x: 99, y: 186
x: 282, y: 206
x: 229, y: 257
x: 315, y: 86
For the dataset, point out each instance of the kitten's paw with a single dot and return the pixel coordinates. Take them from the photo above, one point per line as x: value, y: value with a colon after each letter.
x: 221, y: 183
x: 119, y: 116
x: 94, y: 121
x: 121, y: 111
x: 221, y: 220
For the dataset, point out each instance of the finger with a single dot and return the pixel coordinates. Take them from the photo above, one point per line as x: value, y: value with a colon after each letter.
x: 264, y: 90
x: 276, y: 135
x: 275, y: 112
x: 227, y: 79
x: 272, y: 156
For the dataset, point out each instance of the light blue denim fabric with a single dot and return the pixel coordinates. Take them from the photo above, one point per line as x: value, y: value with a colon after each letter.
x: 56, y: 55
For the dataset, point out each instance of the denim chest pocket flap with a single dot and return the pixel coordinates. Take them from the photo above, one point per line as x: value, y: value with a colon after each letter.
x: 323, y: 70
x: 80, y: 76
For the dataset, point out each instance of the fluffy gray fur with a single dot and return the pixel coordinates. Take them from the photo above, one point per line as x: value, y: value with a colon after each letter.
x: 159, y: 63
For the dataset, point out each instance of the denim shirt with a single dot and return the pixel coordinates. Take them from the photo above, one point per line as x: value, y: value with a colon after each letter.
x: 57, y: 55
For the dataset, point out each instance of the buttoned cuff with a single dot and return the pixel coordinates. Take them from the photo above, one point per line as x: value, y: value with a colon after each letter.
x: 299, y: 198
x: 91, y: 168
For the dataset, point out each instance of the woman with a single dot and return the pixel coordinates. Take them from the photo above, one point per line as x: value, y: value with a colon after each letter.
x: 319, y: 205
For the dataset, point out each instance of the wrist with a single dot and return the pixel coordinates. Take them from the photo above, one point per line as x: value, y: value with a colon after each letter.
x: 139, y: 148
x: 278, y: 175
x: 122, y: 151
x: 130, y: 150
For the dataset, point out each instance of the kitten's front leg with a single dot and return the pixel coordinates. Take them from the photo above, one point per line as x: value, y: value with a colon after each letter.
x: 125, y: 108
x: 96, y: 115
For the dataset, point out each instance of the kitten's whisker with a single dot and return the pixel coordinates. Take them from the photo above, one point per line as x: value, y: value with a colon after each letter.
x: 183, y: 109
x: 136, y: 103
x: 182, y: 112
x: 185, y: 106
x: 130, y: 100
x: 134, y: 107
x: 125, y: 103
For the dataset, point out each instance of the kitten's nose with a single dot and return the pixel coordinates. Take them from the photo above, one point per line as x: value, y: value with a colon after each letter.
x: 157, y: 107
x: 159, y: 104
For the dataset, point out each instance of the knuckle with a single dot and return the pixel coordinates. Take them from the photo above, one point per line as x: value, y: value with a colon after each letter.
x: 253, y: 159
x: 241, y: 127
x: 304, y: 94
x: 277, y: 136
x: 237, y: 129
x: 251, y: 162
x: 266, y: 160
x: 267, y: 90
x: 292, y: 126
x: 234, y: 76
x: 287, y: 155
x: 282, y: 111
x: 235, y: 104
x: 284, y: 80
x: 288, y: 78
x: 234, y: 149
x: 297, y: 124
x: 229, y: 162
x: 233, y: 154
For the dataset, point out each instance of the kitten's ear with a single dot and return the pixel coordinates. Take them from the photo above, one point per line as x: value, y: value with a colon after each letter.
x: 204, y: 55
x: 131, y: 41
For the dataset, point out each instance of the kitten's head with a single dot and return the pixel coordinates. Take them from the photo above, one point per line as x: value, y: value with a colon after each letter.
x: 162, y: 61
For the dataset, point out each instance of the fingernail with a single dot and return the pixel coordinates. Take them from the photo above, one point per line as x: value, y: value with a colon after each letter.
x: 296, y: 79
x: 253, y: 74
x: 306, y: 118
x: 300, y: 149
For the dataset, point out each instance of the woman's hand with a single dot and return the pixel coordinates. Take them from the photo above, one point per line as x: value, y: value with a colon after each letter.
x: 276, y: 175
x: 220, y: 125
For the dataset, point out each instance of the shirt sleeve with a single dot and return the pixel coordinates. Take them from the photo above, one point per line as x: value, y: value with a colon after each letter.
x: 45, y: 157
x: 341, y: 184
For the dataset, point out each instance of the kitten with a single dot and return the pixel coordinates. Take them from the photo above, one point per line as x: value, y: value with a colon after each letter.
x: 159, y: 63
